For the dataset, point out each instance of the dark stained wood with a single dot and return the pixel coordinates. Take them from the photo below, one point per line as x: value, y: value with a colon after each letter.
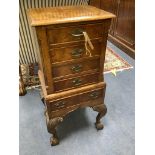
x: 96, y: 3
x: 71, y: 77
x: 122, y: 29
x: 111, y: 6
x: 102, y: 109
x: 125, y: 24
x: 128, y: 50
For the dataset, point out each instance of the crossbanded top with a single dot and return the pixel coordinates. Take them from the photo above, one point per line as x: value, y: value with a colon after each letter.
x: 66, y: 14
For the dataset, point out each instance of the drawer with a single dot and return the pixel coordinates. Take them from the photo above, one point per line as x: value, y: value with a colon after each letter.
x: 74, y: 33
x: 76, y: 99
x: 74, y: 51
x: 76, y: 82
x: 74, y: 67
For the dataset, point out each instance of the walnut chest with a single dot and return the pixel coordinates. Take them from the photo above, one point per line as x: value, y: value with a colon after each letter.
x: 70, y: 44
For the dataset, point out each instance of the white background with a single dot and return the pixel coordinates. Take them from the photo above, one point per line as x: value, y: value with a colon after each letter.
x: 145, y: 77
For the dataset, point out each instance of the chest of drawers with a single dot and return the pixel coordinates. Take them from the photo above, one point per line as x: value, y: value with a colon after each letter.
x: 70, y: 76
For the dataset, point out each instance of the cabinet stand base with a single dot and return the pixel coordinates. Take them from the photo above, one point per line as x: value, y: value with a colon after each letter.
x: 54, y: 122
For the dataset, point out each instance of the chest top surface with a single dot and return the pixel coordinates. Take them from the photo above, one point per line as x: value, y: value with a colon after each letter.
x: 66, y: 14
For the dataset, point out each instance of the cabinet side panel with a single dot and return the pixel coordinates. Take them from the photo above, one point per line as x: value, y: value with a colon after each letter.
x: 106, y: 24
x: 45, y: 58
x: 36, y: 48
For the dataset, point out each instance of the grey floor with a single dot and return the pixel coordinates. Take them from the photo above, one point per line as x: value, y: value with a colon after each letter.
x: 77, y: 133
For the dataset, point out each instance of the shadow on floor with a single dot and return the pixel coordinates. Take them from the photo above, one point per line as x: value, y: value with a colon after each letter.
x: 72, y: 123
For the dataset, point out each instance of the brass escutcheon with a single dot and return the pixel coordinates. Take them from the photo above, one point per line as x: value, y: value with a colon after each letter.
x: 77, y: 68
x: 77, y: 82
x: 94, y: 95
x: 76, y: 53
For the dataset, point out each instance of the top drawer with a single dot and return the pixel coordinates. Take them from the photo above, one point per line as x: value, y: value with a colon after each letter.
x: 74, y: 33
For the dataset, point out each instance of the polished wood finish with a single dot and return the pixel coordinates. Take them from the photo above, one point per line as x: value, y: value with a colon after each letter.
x: 74, y: 51
x: 74, y: 92
x: 102, y: 109
x: 66, y: 14
x: 75, y: 100
x: 75, y: 82
x: 70, y: 77
x: 67, y: 33
x: 75, y: 66
x: 122, y: 29
x: 44, y: 52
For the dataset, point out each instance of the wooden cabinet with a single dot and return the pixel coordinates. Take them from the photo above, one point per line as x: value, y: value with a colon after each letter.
x: 71, y: 71
x: 122, y: 29
x: 125, y: 23
x: 110, y: 5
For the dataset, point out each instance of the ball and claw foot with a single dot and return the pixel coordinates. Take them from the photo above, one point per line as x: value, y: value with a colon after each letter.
x: 51, y: 127
x: 54, y: 141
x: 99, y: 126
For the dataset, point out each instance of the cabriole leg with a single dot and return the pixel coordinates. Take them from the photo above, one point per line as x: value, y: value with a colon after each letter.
x: 102, y: 109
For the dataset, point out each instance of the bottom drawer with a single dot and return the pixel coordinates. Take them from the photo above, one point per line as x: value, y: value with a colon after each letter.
x: 76, y: 99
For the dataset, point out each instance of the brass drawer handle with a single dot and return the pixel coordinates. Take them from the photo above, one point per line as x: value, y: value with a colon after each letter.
x: 76, y: 53
x: 77, y: 33
x: 77, y: 82
x: 60, y: 104
x: 94, y: 95
x: 77, y: 68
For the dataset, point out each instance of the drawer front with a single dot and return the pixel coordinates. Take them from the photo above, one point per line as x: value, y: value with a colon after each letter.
x: 74, y: 52
x: 76, y: 82
x: 75, y: 67
x: 75, y: 100
x: 74, y: 33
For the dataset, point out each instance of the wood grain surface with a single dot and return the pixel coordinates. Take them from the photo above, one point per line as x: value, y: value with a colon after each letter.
x: 57, y: 15
x: 71, y: 73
